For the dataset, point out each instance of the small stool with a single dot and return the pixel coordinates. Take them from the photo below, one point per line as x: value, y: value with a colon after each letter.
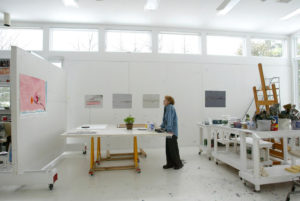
x: 4, y: 158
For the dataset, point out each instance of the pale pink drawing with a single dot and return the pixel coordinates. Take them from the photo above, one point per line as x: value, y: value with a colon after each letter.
x: 33, y: 94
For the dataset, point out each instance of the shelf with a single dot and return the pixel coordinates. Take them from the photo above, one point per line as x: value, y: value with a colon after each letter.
x: 7, y: 169
x: 277, y: 174
x: 230, y: 158
x: 233, y: 159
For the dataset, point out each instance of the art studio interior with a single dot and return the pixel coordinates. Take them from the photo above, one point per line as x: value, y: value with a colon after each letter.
x: 150, y: 100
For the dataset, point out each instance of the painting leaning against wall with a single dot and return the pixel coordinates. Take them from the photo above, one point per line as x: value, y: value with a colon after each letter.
x: 33, y: 94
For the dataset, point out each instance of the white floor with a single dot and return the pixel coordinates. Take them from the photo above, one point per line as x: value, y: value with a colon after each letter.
x: 199, y: 180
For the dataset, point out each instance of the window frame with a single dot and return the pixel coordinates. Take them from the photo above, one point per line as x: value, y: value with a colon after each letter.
x: 182, y: 34
x: 129, y: 31
x: 28, y: 28
x: 297, y: 46
x: 245, y: 47
x: 284, y: 47
x: 50, y: 41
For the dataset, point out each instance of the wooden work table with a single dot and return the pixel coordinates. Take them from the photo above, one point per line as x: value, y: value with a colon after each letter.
x: 101, y: 130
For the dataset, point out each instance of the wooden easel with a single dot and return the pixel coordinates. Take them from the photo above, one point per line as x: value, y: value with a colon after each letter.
x: 277, y: 150
x: 265, y: 102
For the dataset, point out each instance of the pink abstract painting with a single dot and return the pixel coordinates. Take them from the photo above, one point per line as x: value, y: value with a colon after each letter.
x: 33, y: 94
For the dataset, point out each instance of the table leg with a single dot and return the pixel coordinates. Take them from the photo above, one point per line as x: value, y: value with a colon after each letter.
x: 256, y: 162
x: 91, y: 172
x: 208, y: 137
x: 243, y: 151
x: 215, y: 136
x: 201, y: 140
x: 98, y: 151
x: 135, y: 152
x: 285, y: 150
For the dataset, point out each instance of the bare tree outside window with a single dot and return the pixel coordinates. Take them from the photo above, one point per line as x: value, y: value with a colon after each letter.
x: 28, y: 39
x: 128, y: 41
x: 74, y: 40
x: 176, y: 43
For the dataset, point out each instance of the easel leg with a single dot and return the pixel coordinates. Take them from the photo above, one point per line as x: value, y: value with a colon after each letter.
x: 91, y: 172
x: 135, y: 152
x: 98, y: 151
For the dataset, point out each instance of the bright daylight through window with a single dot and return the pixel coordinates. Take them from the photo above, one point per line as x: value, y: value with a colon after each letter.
x: 128, y: 41
x: 298, y: 47
x: 74, y: 40
x: 225, y: 45
x: 28, y: 39
x: 179, y: 43
x: 4, y: 97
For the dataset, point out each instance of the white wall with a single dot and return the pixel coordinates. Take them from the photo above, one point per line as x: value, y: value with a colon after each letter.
x: 36, y: 137
x: 184, y: 80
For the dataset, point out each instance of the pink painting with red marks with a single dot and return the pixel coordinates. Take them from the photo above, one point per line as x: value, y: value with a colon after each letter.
x: 33, y: 94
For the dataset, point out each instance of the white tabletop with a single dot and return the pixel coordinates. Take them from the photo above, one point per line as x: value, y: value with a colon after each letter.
x: 259, y: 134
x: 102, y: 130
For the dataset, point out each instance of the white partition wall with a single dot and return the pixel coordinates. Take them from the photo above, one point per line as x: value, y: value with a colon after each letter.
x: 36, y: 136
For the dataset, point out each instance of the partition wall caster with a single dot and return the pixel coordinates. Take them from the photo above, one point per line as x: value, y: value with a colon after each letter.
x: 200, y: 152
x: 217, y: 163
x: 84, y: 151
x: 51, y: 187
x: 293, y: 188
x: 209, y: 158
x: 91, y: 173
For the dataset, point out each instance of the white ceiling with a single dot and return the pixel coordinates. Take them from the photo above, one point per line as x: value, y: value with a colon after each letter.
x: 247, y: 16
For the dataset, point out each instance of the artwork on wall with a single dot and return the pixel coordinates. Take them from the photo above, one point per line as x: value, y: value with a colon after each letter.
x: 93, y: 101
x: 151, y: 100
x: 215, y: 98
x: 122, y: 101
x: 33, y: 94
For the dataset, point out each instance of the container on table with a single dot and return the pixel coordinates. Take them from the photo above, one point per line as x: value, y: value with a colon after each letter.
x: 284, y: 124
x: 264, y: 125
x: 296, y: 125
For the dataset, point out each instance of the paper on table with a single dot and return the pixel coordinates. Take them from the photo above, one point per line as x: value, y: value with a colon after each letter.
x: 82, y: 132
x: 93, y: 127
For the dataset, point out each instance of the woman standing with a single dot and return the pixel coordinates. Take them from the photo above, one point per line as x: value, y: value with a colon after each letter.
x: 170, y: 125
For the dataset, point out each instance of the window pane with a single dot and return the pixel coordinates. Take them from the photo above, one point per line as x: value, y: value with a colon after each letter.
x: 74, y: 40
x: 27, y: 39
x: 298, y: 47
x: 128, y: 41
x: 192, y: 44
x: 113, y: 41
x: 179, y: 43
x: 4, y: 97
x: 266, y: 48
x: 298, y: 82
x: 225, y: 45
